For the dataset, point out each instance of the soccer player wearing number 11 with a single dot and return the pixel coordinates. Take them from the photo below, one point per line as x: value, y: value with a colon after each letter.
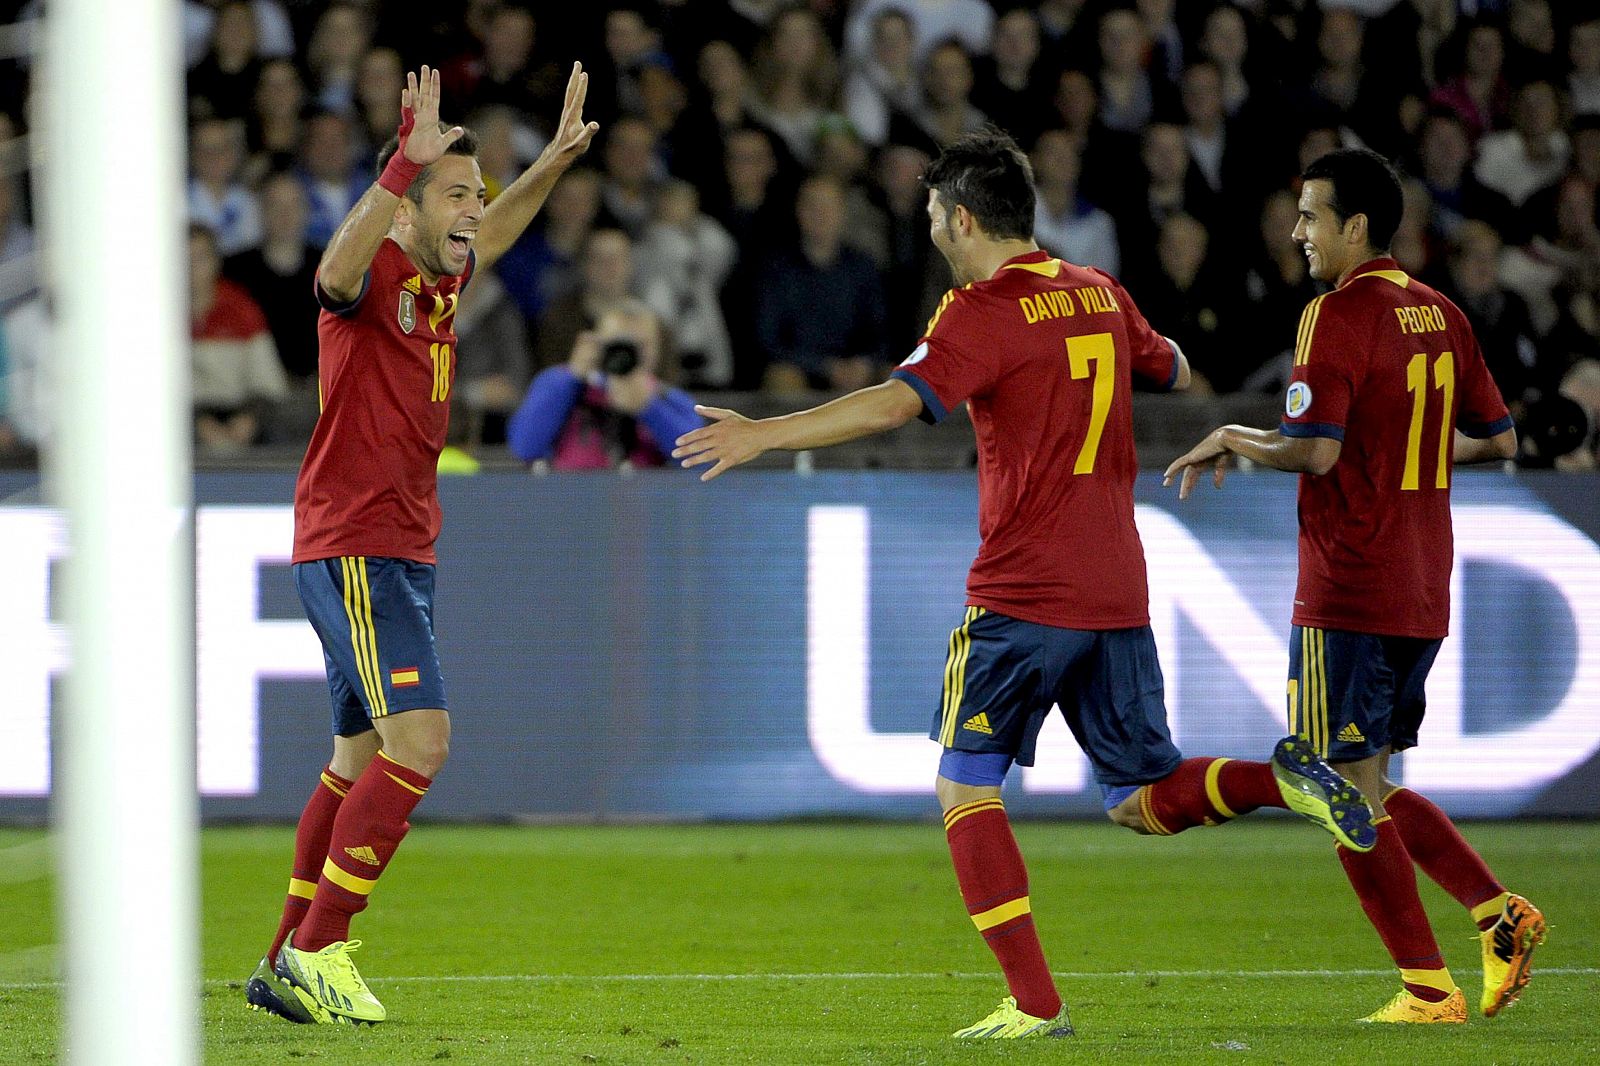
x: 1389, y: 390
x: 1045, y: 354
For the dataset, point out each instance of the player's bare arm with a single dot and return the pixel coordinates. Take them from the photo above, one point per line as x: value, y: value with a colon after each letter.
x: 509, y: 214
x: 1469, y: 450
x: 361, y: 234
x: 1266, y: 447
x: 732, y: 439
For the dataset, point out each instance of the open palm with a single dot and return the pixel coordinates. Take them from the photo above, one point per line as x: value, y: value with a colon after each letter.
x: 421, y: 138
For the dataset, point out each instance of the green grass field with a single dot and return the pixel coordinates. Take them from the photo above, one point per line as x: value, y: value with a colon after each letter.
x: 844, y: 944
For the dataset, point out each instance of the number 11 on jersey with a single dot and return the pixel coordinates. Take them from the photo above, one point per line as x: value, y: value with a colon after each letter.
x: 1444, y: 380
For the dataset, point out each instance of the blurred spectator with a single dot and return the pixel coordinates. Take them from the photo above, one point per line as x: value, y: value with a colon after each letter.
x: 806, y: 346
x: 237, y: 375
x: 499, y: 160
x: 1278, y: 286
x: 629, y: 37
x: 796, y: 80
x: 971, y: 22
x: 947, y: 110
x: 1413, y: 245
x: 1531, y: 47
x: 684, y: 259
x: 541, y: 267
x: 1108, y: 155
x: 328, y: 171
x: 757, y: 213
x: 1010, y: 85
x: 1478, y: 93
x: 275, y: 128
x: 1172, y: 186
x: 605, y: 283
x: 1165, y: 41
x: 218, y: 197
x: 1067, y: 32
x: 25, y: 394
x: 1218, y: 156
x: 1405, y: 41
x: 914, y: 277
x: 632, y: 175
x: 664, y: 102
x: 1518, y: 161
x: 604, y: 406
x: 509, y: 72
x: 274, y: 33
x: 222, y: 84
x: 378, y: 87
x: 19, y: 265
x: 1341, y: 87
x: 492, y: 359
x: 1583, y: 52
x: 718, y: 105
x: 842, y: 156
x: 1457, y: 193
x: 1499, y: 318
x: 1195, y: 304
x: 1065, y: 224
x: 1225, y: 42
x: 883, y: 80
x: 278, y: 275
x: 1127, y: 98
x: 333, y: 56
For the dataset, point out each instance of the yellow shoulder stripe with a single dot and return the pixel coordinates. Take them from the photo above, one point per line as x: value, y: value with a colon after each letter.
x: 1049, y: 268
x: 1399, y: 277
x: 1308, y: 326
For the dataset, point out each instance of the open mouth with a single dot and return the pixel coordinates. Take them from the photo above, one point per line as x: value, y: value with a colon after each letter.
x: 461, y: 241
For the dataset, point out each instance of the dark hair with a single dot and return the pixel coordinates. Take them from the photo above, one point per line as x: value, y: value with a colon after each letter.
x: 466, y: 145
x: 1364, y: 183
x: 986, y: 173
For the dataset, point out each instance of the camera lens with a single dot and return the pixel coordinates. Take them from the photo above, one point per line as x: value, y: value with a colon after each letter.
x: 619, y: 356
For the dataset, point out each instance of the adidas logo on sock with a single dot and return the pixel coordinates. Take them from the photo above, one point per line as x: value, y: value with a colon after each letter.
x: 363, y: 854
x: 1351, y: 735
x: 979, y: 723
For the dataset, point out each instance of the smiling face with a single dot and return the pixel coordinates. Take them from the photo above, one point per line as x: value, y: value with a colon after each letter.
x: 441, y: 229
x: 1331, y: 248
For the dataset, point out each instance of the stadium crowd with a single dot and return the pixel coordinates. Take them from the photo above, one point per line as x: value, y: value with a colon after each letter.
x: 754, y: 193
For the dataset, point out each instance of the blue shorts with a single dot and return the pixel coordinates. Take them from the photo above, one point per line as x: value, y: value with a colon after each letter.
x: 1003, y: 676
x: 1356, y: 695
x: 375, y: 620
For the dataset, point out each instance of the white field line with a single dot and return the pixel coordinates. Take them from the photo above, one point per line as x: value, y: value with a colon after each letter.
x: 1067, y: 975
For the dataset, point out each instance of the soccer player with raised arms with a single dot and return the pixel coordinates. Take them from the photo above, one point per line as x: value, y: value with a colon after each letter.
x: 1389, y: 390
x: 367, y: 516
x: 1046, y: 355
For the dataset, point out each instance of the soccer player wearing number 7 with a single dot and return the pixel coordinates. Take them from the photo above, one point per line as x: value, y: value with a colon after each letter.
x: 1045, y: 354
x: 367, y: 515
x: 1388, y: 391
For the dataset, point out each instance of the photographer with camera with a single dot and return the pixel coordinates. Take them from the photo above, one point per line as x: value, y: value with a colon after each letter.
x: 604, y: 407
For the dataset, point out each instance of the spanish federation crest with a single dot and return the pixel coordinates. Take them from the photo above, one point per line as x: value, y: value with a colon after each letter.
x: 408, y: 311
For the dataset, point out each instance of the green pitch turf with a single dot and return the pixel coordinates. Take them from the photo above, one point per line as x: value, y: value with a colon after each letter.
x: 843, y: 944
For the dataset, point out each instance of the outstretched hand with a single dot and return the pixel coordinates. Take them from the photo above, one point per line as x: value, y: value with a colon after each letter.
x: 1191, y: 462
x: 573, y: 134
x: 731, y: 439
x: 420, y: 137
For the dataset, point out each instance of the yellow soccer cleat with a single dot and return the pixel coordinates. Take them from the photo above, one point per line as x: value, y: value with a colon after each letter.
x: 1006, y: 1022
x: 266, y: 991
x: 329, y: 980
x: 1507, y: 954
x: 1406, y: 1009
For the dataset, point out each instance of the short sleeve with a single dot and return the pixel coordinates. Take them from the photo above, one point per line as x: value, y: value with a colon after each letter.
x: 1481, y: 411
x: 951, y: 364
x: 1154, y: 359
x: 1323, y: 380
x: 341, y: 307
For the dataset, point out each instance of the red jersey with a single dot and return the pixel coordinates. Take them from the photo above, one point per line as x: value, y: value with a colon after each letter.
x: 1391, y: 368
x: 385, y: 366
x: 1046, y: 355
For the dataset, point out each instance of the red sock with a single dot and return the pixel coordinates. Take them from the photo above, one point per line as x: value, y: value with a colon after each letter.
x: 1387, y: 887
x: 1207, y: 792
x: 1444, y: 855
x: 994, y: 885
x: 370, y: 826
x: 311, y: 839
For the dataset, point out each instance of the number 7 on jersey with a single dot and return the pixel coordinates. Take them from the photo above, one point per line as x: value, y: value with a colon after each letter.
x: 1101, y: 350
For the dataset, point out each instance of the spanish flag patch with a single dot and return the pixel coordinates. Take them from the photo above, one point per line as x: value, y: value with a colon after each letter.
x: 404, y: 677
